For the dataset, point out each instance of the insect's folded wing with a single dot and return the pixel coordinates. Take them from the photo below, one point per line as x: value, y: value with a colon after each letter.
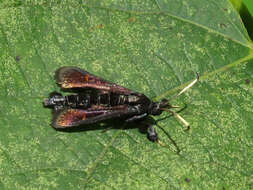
x: 73, y: 77
x: 74, y: 117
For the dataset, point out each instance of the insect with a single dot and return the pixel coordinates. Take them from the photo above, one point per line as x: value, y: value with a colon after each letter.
x: 98, y: 100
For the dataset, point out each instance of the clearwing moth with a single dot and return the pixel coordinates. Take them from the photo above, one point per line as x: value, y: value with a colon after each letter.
x: 98, y: 100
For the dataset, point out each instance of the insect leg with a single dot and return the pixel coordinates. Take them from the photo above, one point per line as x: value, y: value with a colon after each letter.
x: 153, y: 136
x: 180, y: 118
x: 151, y: 132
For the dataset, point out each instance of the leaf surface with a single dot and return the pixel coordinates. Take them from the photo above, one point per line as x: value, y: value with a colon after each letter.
x: 154, y: 47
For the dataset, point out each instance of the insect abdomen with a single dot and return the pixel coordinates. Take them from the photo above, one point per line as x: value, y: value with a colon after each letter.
x: 109, y: 99
x: 78, y: 101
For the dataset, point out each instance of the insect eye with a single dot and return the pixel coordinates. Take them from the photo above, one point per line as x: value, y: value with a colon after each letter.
x: 156, y: 109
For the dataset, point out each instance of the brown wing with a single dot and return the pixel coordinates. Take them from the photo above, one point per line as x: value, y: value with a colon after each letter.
x: 75, y: 117
x: 73, y: 77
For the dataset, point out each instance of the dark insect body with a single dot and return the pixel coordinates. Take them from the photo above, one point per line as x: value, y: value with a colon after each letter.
x: 98, y: 100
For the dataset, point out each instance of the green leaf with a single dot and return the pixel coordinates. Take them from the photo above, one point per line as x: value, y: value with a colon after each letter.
x: 243, y: 9
x: 154, y: 47
x: 249, y: 5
